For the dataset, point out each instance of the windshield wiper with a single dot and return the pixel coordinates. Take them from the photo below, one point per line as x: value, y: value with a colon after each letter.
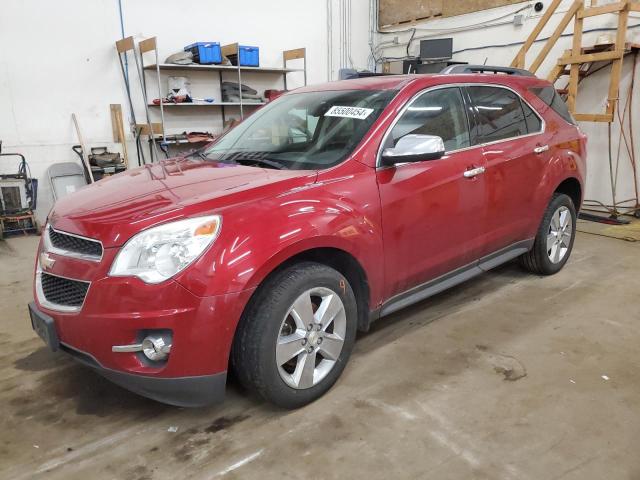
x: 209, y: 159
x: 199, y: 154
x: 261, y: 161
x: 242, y: 161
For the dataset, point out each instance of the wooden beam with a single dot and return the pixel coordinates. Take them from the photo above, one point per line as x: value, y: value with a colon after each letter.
x: 555, y: 36
x: 118, y: 130
x: 634, y: 7
x: 590, y: 57
x: 555, y: 73
x: 115, y: 109
x: 616, y: 66
x: 593, y: 117
x: 601, y: 10
x: 519, y: 60
x: 574, y: 75
x: 85, y: 152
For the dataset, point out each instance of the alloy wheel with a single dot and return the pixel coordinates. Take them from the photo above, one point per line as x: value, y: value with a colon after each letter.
x: 311, y: 338
x: 559, y: 235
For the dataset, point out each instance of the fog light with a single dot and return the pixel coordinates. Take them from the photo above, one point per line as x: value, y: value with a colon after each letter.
x: 155, y: 348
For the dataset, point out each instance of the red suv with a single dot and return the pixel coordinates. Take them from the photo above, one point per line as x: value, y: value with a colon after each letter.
x: 331, y: 207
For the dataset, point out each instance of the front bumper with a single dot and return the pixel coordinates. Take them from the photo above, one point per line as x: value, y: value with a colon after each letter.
x: 180, y: 391
x: 187, y: 391
x: 116, y: 310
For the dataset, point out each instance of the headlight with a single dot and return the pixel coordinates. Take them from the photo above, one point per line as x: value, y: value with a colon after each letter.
x: 157, y: 254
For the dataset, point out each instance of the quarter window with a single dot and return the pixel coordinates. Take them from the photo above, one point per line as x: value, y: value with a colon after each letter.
x: 500, y: 114
x: 437, y: 112
x: 549, y: 96
x: 534, y: 124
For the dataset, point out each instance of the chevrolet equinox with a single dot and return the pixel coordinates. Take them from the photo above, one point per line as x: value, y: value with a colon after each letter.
x: 329, y: 208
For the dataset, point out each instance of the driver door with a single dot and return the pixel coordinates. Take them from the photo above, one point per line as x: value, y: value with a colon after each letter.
x: 431, y: 210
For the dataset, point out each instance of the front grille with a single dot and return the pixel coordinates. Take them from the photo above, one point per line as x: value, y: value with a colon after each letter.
x: 63, y: 291
x: 74, y: 244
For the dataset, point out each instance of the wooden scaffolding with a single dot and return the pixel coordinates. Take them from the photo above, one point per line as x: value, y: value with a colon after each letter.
x: 578, y: 62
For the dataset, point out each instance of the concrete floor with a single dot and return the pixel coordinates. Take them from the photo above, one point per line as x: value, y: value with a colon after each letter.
x: 509, y: 376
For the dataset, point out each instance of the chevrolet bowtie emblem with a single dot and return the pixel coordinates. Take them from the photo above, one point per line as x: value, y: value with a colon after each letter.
x: 46, y: 262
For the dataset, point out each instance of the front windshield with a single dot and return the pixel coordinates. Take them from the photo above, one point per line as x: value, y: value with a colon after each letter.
x: 302, y: 131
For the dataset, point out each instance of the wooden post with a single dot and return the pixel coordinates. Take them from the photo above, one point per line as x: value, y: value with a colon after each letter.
x: 85, y: 153
x: 575, y: 67
x: 616, y: 66
x: 118, y: 129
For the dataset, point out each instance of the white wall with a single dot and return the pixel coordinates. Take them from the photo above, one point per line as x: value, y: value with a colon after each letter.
x: 59, y: 57
x: 592, y: 92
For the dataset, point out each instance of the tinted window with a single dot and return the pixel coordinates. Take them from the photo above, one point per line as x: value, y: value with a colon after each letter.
x: 499, y: 112
x: 534, y: 124
x: 549, y: 96
x: 438, y: 112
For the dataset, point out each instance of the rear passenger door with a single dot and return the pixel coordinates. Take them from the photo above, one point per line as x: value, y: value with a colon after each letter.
x: 510, y: 134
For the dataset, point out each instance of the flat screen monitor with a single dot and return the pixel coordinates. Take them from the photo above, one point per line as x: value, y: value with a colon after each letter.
x: 436, y: 49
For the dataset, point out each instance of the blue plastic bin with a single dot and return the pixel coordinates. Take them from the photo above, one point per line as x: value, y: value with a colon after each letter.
x: 205, y: 53
x: 249, y: 56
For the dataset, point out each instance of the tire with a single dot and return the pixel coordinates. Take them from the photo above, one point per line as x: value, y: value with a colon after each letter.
x: 553, y: 244
x: 279, y: 321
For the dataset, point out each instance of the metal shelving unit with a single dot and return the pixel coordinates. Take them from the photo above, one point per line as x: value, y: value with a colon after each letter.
x: 172, y: 66
x: 207, y: 104
x: 232, y: 49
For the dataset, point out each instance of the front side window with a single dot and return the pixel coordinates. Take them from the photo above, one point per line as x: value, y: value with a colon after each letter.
x: 302, y: 131
x: 437, y: 112
x: 499, y: 113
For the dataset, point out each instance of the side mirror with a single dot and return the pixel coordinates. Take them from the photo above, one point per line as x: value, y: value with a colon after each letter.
x: 414, y: 148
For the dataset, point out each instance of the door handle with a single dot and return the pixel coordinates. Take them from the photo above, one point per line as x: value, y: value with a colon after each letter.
x: 541, y: 149
x: 473, y: 172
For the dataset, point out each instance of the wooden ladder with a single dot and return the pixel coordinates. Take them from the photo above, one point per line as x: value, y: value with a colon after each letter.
x: 578, y: 61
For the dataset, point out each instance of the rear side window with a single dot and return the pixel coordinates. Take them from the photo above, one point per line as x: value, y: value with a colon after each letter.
x: 499, y: 112
x: 534, y: 124
x: 549, y: 96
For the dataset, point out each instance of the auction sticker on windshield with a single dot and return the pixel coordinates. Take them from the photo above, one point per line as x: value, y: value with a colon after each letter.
x: 349, y: 112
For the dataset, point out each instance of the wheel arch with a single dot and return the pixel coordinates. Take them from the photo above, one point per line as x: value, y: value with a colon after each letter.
x: 571, y: 187
x: 338, y: 259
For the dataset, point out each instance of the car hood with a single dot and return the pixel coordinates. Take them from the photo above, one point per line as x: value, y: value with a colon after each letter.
x: 115, y: 208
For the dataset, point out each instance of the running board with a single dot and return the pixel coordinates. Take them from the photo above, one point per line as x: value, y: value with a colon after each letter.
x: 451, y: 279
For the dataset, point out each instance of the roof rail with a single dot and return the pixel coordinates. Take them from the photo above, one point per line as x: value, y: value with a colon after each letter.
x: 486, y: 69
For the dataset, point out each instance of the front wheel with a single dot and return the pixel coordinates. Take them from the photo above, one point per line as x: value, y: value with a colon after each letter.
x: 555, y: 237
x: 297, y: 334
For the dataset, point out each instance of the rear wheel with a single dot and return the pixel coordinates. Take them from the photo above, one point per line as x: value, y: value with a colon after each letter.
x: 297, y: 334
x: 554, y: 240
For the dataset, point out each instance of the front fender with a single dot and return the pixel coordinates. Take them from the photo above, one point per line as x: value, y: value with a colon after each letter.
x: 256, y: 238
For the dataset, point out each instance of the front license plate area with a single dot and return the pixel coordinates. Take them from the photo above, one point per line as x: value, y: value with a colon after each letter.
x: 45, y: 327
